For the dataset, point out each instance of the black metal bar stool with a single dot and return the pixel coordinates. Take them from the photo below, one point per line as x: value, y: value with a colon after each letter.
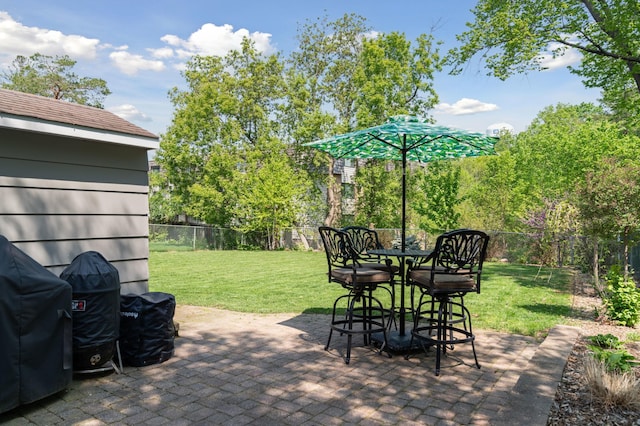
x: 365, y: 314
x: 363, y: 241
x: 454, y: 269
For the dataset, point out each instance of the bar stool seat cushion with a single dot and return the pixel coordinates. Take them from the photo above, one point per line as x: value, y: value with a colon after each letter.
x: 363, y: 275
x: 442, y: 282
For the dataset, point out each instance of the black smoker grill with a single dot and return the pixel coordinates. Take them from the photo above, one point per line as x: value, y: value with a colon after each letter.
x: 96, y: 311
x: 35, y: 329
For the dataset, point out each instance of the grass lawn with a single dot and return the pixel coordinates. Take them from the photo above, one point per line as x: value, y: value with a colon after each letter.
x: 519, y: 299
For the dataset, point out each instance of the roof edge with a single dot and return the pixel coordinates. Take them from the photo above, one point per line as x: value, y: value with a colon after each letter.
x: 73, y: 131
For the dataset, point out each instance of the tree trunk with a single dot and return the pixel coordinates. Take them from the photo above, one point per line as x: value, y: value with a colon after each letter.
x: 625, y: 242
x: 596, y: 262
x: 333, y: 198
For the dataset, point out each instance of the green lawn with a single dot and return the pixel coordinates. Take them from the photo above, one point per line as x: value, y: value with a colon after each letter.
x: 514, y: 298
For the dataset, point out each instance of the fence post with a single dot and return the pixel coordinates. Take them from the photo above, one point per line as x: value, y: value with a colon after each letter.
x: 194, y: 238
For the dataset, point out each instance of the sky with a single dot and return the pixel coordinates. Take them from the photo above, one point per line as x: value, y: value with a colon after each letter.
x: 139, y: 48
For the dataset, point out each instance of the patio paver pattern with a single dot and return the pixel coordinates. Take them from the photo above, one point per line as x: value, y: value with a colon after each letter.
x: 233, y: 368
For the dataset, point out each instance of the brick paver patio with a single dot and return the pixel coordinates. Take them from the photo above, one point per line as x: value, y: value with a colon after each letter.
x: 235, y: 369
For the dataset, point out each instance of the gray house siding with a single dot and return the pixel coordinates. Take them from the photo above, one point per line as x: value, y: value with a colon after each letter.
x: 63, y: 196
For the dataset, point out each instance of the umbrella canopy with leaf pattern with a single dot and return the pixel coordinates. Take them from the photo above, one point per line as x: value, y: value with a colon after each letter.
x: 407, y: 138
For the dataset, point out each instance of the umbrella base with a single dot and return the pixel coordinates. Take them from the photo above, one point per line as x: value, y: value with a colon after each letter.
x: 397, y: 342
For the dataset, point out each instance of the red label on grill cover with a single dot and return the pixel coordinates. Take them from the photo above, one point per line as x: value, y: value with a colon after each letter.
x: 78, y: 305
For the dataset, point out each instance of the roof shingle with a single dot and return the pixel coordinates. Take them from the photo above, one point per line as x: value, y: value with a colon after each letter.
x: 49, y: 109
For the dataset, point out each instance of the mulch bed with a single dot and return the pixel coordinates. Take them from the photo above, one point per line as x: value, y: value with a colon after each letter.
x: 574, y: 404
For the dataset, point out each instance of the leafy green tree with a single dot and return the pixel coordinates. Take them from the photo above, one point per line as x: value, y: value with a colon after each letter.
x: 53, y: 77
x: 378, y: 183
x: 213, y: 194
x: 544, y: 165
x: 162, y: 207
x: 438, y: 186
x: 610, y: 202
x: 511, y: 37
x: 228, y: 110
x: 561, y: 144
x: 548, y: 162
x: 341, y: 79
x: 493, y: 197
x: 321, y: 95
x: 271, y: 193
x: 394, y: 76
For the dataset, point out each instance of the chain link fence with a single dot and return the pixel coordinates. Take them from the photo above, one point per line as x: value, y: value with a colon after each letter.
x: 185, y: 237
x: 504, y: 246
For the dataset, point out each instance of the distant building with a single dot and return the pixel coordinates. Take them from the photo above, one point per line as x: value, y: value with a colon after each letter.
x: 497, y: 128
x: 154, y: 167
x: 345, y: 170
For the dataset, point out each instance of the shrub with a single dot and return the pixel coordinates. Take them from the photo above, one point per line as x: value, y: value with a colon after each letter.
x: 607, y: 341
x: 622, y: 300
x: 607, y: 349
x: 619, y: 360
x: 411, y: 242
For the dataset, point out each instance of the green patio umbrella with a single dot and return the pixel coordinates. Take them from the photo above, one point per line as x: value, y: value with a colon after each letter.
x: 407, y: 138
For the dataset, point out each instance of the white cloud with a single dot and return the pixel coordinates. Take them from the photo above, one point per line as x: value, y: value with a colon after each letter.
x: 370, y: 35
x: 210, y: 39
x: 465, y: 106
x: 130, y: 64
x: 17, y: 39
x: 129, y: 112
x: 180, y: 66
x: 161, y: 53
x: 216, y: 40
x: 568, y: 57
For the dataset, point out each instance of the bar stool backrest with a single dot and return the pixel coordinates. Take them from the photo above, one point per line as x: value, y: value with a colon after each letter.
x: 338, y: 248
x: 460, y: 252
x: 364, y: 239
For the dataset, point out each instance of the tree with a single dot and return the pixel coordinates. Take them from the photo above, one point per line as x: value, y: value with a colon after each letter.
x: 378, y: 197
x: 562, y: 142
x: 544, y: 165
x: 227, y: 112
x: 511, y: 37
x: 52, y: 77
x: 162, y: 207
x: 493, y: 196
x: 345, y: 79
x: 537, y: 174
x: 321, y: 97
x: 439, y: 185
x: 551, y: 157
x: 394, y: 76
x: 610, y: 202
x: 271, y: 193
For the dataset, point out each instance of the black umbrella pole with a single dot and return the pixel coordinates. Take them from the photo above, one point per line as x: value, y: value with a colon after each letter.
x: 404, y: 192
x: 404, y: 229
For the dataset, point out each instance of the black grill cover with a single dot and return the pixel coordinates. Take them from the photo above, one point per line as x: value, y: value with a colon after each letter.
x: 96, y: 309
x: 146, y: 328
x: 35, y: 329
